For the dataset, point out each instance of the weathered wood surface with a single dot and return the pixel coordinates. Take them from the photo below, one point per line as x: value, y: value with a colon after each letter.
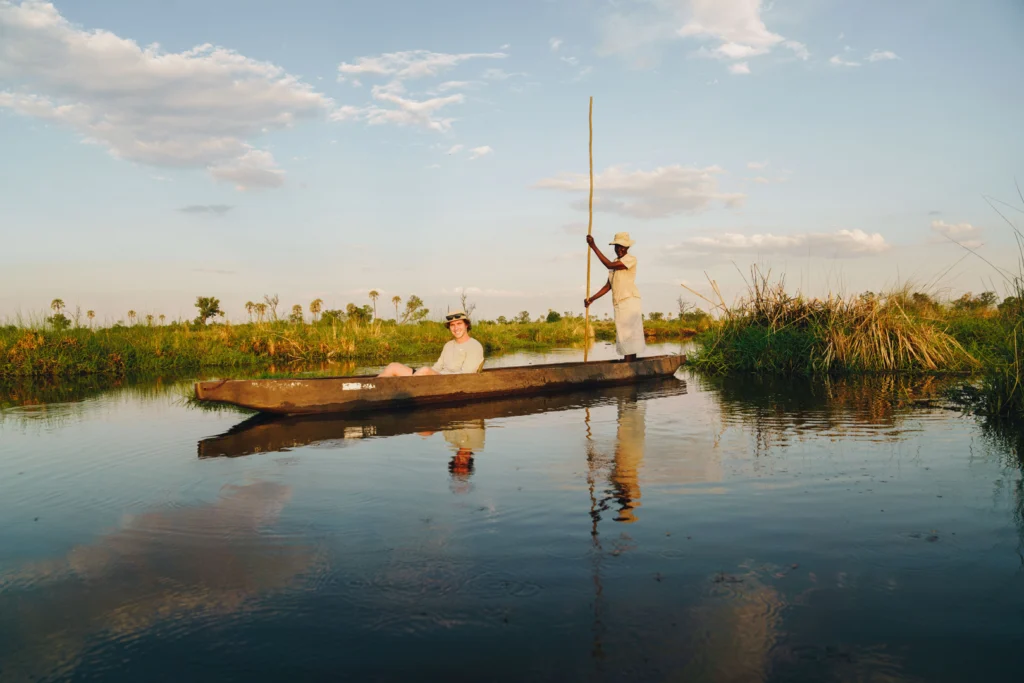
x: 299, y: 396
x: 268, y: 433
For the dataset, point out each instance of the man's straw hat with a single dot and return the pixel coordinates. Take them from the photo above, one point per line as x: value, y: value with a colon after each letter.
x: 453, y: 316
x: 623, y: 239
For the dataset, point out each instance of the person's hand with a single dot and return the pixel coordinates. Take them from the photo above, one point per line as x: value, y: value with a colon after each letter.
x: 586, y: 303
x: 590, y: 240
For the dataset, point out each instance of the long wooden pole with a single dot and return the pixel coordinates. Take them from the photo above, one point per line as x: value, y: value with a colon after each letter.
x: 590, y: 227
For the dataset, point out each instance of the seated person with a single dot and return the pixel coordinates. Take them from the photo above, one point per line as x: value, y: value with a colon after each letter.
x: 461, y: 355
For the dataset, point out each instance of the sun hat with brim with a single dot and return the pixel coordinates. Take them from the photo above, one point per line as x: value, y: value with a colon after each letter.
x: 453, y: 316
x: 623, y: 239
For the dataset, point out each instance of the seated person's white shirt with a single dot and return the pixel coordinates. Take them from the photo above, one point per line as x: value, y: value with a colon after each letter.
x: 458, y: 359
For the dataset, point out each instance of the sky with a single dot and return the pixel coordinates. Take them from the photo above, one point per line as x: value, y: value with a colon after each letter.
x: 153, y: 151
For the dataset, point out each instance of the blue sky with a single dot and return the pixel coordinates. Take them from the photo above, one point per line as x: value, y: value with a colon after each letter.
x: 156, y: 151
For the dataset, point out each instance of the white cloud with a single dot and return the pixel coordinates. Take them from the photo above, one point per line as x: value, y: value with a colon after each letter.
x: 409, y: 64
x: 455, y: 149
x: 734, y: 27
x: 761, y: 180
x: 456, y: 85
x: 478, y: 152
x: 841, y: 243
x: 392, y: 103
x: 836, y: 60
x: 403, y: 112
x: 665, y: 191
x: 253, y: 170
x: 739, y: 68
x: 964, y: 233
x: 799, y: 49
x: 882, y: 55
x: 555, y: 43
x: 499, y: 75
x: 571, y: 61
x: 191, y: 109
x: 757, y: 165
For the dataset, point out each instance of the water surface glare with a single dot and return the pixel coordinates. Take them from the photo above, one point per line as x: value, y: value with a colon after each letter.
x: 686, y: 529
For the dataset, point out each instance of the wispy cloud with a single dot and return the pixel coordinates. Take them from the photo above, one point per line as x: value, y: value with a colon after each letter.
x: 478, y: 152
x: 841, y: 244
x: 965, y: 233
x: 212, y: 209
x: 739, y: 69
x: 733, y: 29
x: 555, y: 44
x: 193, y: 109
x: 410, y: 64
x: 757, y: 165
x: 799, y: 49
x: 665, y: 191
x: 392, y: 103
x: 882, y: 56
x: 499, y: 75
x: 836, y: 60
x: 455, y: 149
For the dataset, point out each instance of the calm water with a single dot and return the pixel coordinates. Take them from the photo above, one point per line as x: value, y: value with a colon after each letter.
x: 681, y: 530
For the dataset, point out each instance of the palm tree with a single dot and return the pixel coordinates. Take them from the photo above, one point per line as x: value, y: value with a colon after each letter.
x: 396, y: 300
x: 261, y: 310
x: 162, y: 318
x: 373, y: 297
x: 90, y: 315
x: 149, y: 319
x: 131, y: 317
x: 57, y: 305
x: 249, y: 307
x: 297, y: 314
x: 314, y: 307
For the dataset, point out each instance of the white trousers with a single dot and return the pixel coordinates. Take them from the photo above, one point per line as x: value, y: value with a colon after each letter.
x: 629, y: 327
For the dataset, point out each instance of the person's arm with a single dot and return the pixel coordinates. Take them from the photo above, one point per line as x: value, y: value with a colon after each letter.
x: 609, y: 264
x: 439, y: 365
x: 601, y: 292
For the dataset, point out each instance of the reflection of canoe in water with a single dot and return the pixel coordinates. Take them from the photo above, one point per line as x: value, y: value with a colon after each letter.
x: 270, y: 433
x: 298, y: 396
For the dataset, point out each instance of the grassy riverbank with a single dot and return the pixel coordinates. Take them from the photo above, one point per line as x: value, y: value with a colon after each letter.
x: 143, y: 349
x: 772, y: 332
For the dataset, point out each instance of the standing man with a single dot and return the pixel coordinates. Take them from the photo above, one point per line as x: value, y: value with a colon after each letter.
x: 461, y: 355
x: 629, y: 315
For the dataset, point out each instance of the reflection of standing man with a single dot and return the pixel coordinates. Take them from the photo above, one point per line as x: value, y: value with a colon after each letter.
x: 629, y: 457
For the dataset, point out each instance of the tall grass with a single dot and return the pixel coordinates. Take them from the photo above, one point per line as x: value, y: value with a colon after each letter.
x: 771, y: 331
x: 37, y: 350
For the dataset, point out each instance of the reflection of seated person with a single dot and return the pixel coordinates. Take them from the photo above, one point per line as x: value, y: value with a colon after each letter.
x: 464, y: 440
x: 461, y: 355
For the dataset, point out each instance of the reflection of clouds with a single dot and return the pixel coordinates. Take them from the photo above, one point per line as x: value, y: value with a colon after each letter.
x: 158, y: 569
x: 740, y: 628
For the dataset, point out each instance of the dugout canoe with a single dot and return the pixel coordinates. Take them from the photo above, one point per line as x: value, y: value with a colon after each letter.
x: 304, y: 396
x: 268, y: 433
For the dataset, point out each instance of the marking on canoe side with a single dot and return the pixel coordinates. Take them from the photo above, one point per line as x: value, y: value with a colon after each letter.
x: 351, y: 386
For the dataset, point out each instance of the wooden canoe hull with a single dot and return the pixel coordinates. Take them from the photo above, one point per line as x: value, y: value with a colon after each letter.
x: 267, y: 433
x: 303, y: 396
